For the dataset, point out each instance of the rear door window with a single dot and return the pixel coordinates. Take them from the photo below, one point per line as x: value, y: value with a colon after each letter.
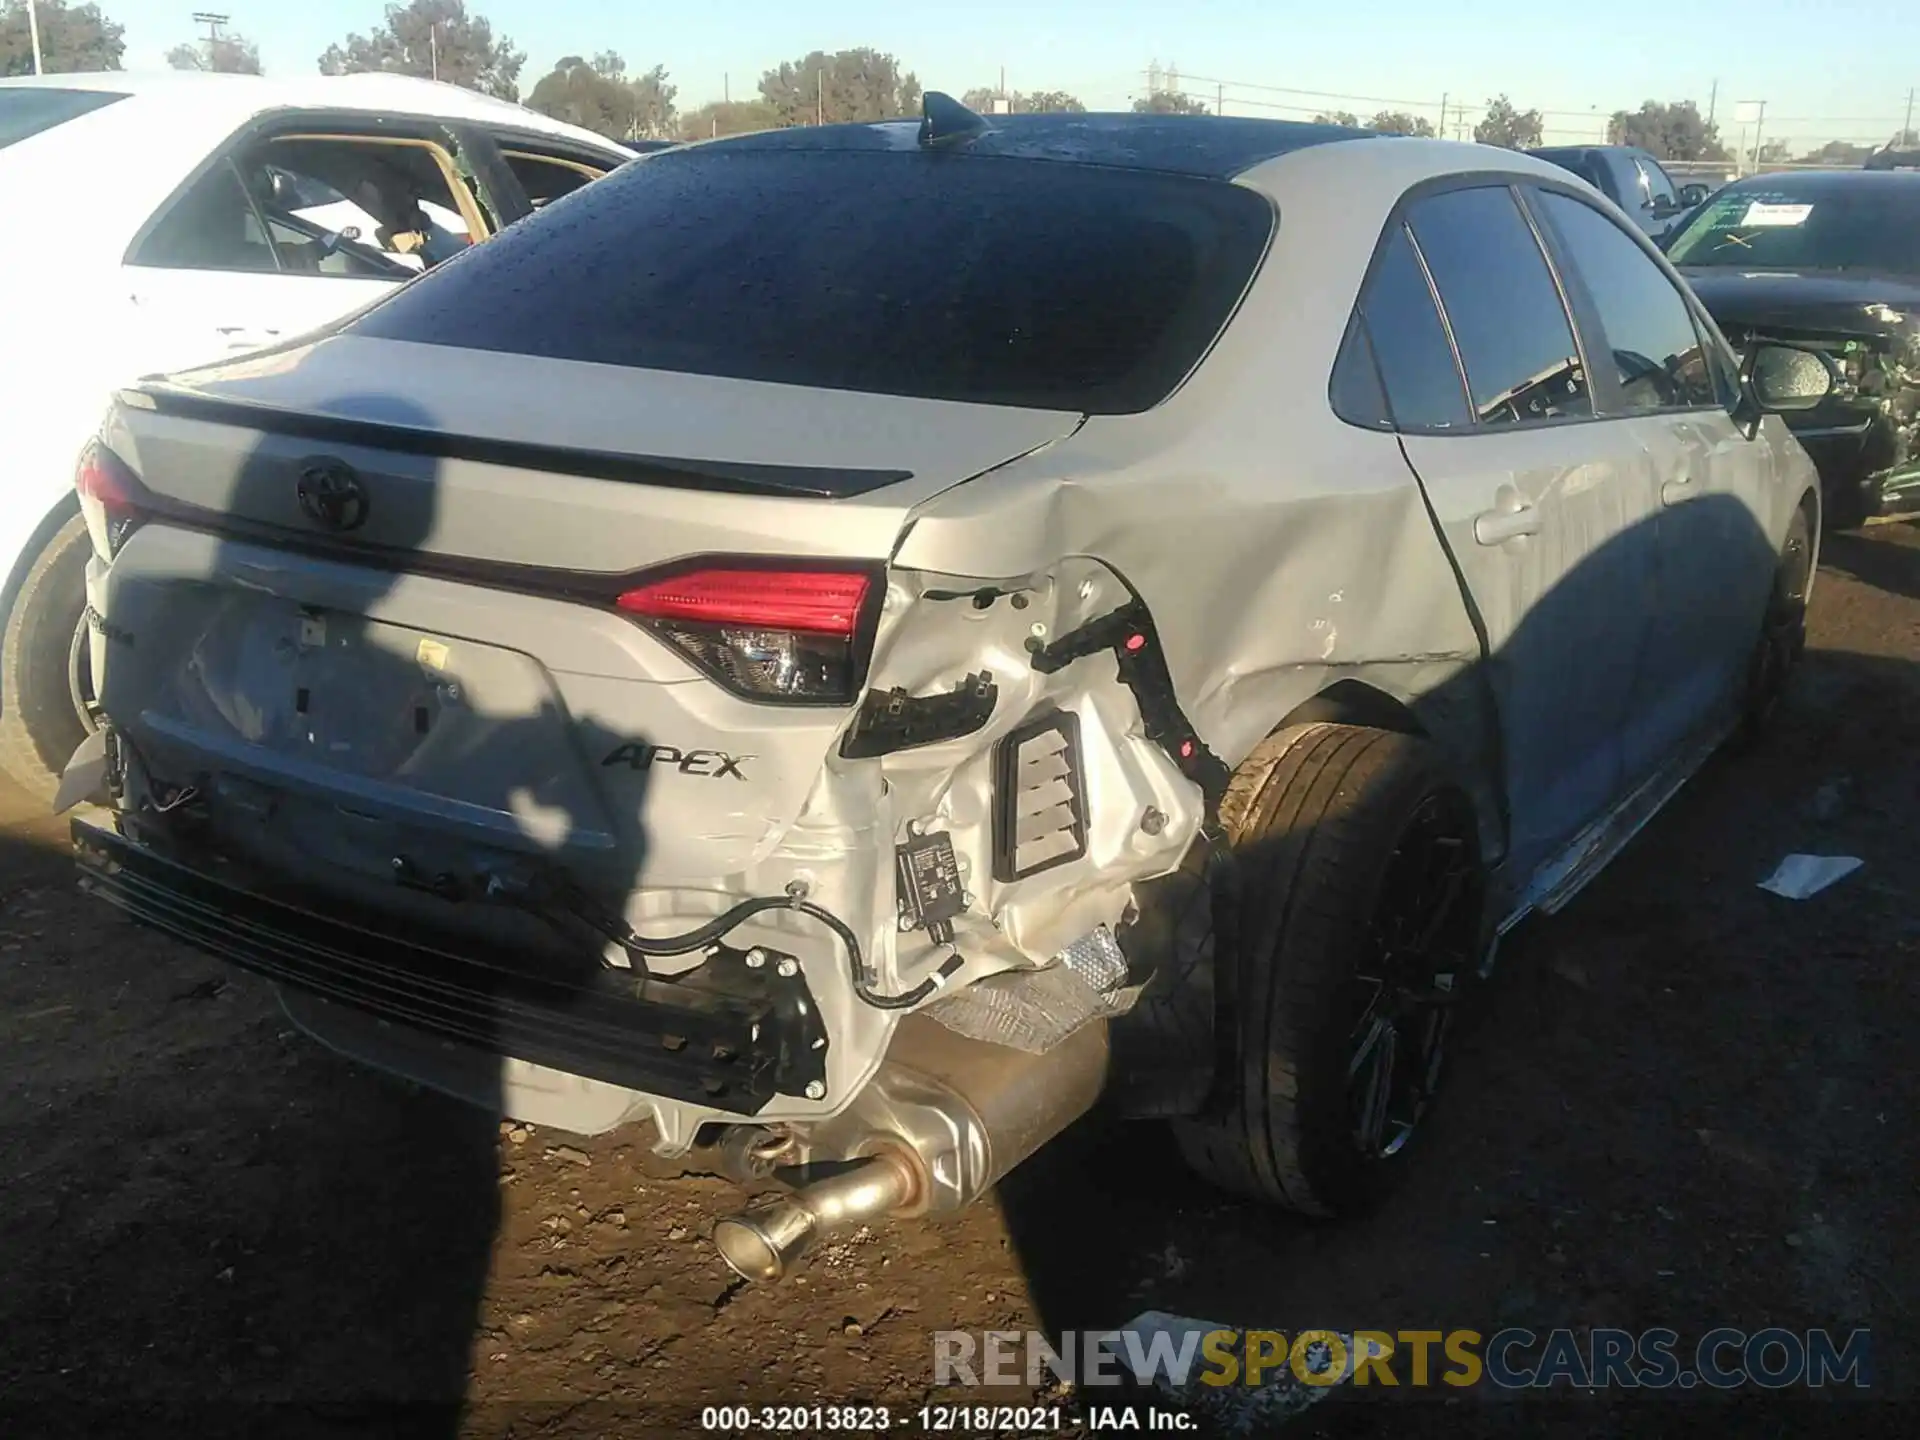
x: 30, y: 110
x: 1503, y: 306
x: 544, y: 179
x: 316, y: 204
x: 1424, y: 390
x: 1657, y: 356
x: 943, y: 276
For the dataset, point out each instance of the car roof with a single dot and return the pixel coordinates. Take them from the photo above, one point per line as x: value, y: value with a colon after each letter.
x: 1209, y: 146
x: 239, y: 97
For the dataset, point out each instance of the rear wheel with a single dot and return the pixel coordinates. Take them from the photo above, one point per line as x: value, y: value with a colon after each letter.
x: 46, y: 679
x: 1783, y: 634
x: 1360, y: 923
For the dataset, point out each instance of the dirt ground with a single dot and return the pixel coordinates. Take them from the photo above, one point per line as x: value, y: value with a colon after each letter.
x: 1685, y: 1103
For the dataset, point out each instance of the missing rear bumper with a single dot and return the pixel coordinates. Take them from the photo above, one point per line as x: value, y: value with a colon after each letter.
x: 730, y: 1035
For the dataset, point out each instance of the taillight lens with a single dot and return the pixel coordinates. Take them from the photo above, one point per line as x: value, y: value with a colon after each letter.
x: 107, y: 489
x: 791, y: 634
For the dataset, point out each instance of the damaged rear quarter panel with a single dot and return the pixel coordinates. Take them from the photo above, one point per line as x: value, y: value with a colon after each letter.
x: 1278, y: 549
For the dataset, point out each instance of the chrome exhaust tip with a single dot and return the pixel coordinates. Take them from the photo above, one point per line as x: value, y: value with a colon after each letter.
x: 764, y: 1240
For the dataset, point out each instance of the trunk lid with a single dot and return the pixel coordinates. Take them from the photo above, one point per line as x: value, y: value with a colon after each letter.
x: 561, y: 465
x: 437, y: 674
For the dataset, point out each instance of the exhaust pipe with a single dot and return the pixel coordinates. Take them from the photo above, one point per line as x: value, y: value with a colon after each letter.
x: 762, y: 1242
x: 943, y: 1121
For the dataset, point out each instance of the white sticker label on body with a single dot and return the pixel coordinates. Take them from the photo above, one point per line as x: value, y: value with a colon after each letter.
x: 1762, y: 212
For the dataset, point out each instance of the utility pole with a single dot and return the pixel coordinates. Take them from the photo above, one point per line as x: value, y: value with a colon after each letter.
x: 433, y: 47
x: 33, y: 30
x: 819, y: 97
x: 1442, y: 131
x: 1759, y: 122
x: 1713, y: 98
x: 215, y: 24
x: 726, y: 89
x: 1219, y: 99
x: 1906, y: 128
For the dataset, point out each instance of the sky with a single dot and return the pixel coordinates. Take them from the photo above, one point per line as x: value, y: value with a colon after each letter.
x: 1827, y: 69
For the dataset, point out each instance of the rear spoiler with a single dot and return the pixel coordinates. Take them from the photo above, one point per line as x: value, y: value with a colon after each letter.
x: 823, y: 482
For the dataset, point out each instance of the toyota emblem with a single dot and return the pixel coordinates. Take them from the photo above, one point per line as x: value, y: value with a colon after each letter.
x: 332, y: 496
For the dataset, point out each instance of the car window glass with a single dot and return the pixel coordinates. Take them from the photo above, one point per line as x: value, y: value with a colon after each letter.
x: 30, y: 111
x: 1656, y: 352
x: 381, y: 200
x: 212, y: 227
x: 545, y: 180
x: 1816, y: 221
x: 722, y: 259
x: 1355, y: 392
x: 1416, y: 363
x: 1505, y: 310
x: 1659, y: 189
x: 1726, y: 370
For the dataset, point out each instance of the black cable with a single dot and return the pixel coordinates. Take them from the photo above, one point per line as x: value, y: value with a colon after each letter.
x: 623, y: 935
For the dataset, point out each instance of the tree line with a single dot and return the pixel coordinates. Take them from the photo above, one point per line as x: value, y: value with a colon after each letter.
x: 443, y: 38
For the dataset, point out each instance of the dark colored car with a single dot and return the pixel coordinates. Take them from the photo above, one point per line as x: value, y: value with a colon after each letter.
x: 1632, y: 179
x: 1894, y: 159
x: 1828, y: 258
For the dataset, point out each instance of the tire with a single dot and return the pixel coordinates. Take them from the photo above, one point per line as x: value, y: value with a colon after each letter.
x: 1783, y: 632
x: 41, y: 722
x: 1340, y: 832
x: 1849, y: 506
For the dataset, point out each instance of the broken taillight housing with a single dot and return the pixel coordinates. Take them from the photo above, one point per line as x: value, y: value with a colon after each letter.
x: 788, y: 632
x: 107, y: 489
x: 1040, y: 801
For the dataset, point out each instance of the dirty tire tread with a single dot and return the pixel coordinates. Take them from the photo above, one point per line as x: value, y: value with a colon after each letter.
x: 34, y: 635
x: 1794, y: 569
x: 1327, y: 800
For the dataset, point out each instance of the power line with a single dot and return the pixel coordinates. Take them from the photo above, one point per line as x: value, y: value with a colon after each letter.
x: 1593, y: 113
x: 1286, y: 90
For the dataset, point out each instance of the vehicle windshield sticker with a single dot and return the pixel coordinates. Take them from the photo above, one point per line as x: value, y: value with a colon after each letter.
x: 1762, y: 212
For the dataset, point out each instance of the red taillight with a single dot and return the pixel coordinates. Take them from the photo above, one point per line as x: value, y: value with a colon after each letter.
x: 788, y: 634
x: 108, y: 493
x: 821, y: 602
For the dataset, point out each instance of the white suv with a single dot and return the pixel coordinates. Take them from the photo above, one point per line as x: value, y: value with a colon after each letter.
x: 176, y: 220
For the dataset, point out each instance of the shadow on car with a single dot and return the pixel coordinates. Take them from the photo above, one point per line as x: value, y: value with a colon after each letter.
x: 335, y: 1269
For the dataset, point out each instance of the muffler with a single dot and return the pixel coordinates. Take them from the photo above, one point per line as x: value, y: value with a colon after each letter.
x: 942, y: 1122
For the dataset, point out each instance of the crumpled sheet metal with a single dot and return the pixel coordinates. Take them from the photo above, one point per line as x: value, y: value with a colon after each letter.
x: 1034, y: 1010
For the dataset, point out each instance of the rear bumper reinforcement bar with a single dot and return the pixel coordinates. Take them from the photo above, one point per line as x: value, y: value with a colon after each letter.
x: 725, y: 1035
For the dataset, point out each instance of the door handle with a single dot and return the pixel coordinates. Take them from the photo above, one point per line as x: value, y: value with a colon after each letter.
x: 1496, y: 527
x: 1678, y: 491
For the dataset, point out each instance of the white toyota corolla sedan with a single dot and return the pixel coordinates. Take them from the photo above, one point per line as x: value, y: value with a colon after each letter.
x: 1118, y: 609
x: 160, y: 221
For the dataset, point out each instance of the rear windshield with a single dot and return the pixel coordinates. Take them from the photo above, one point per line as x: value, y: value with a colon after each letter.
x: 1774, y: 225
x: 27, y: 109
x: 987, y: 279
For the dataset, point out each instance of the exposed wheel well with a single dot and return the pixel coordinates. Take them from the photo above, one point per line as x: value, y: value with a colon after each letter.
x: 1354, y: 702
x: 66, y: 509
